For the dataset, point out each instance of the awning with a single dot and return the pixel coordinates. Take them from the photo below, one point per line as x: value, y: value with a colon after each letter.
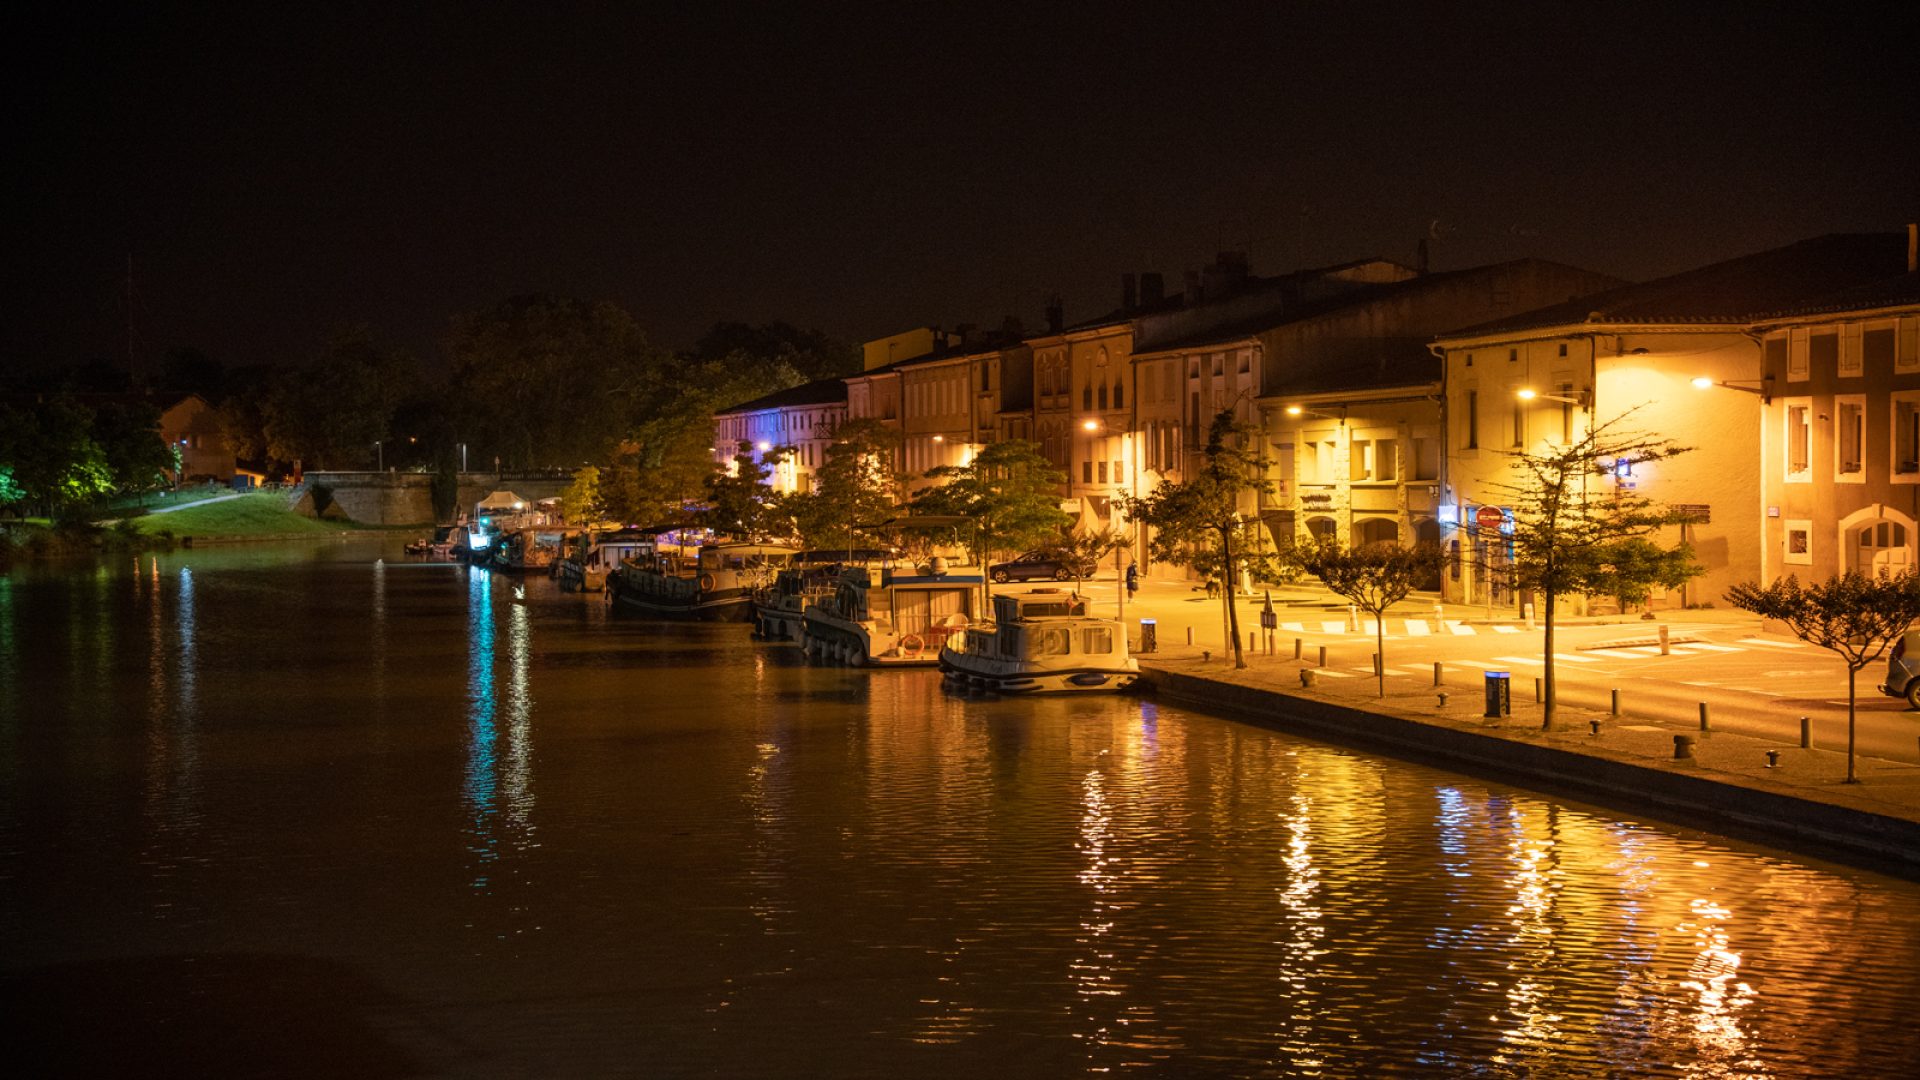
x: 501, y: 500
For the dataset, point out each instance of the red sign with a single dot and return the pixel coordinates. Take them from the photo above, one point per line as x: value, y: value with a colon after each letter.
x: 1489, y: 517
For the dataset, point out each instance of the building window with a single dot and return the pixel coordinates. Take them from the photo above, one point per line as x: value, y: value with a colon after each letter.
x: 1563, y: 348
x: 1086, y: 397
x: 1799, y: 441
x: 1907, y: 354
x: 1118, y: 476
x: 1246, y: 363
x: 1823, y: 351
x: 1876, y: 346
x: 1850, y: 350
x: 1513, y: 355
x: 1519, y: 423
x: 1800, y: 543
x: 1086, y: 472
x: 1797, y: 356
x: 1119, y: 399
x: 1906, y: 437
x: 1218, y: 365
x: 1473, y: 420
x: 1103, y: 397
x: 1849, y: 438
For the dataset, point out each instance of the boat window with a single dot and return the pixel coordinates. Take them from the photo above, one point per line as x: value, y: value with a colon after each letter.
x: 1052, y: 641
x: 1096, y: 640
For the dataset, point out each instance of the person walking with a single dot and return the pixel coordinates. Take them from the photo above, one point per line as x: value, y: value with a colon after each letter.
x: 1133, y: 580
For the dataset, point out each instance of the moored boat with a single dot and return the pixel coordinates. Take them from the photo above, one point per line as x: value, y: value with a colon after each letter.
x: 890, y: 617
x: 715, y: 586
x: 1040, y: 640
x: 592, y: 557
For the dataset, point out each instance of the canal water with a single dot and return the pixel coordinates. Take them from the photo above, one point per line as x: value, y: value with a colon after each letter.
x: 297, y: 812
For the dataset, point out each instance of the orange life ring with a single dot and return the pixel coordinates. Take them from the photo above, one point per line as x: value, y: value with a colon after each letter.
x: 706, y: 582
x: 911, y: 645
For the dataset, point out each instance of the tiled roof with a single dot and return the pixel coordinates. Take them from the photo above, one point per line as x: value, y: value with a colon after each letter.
x: 1734, y: 291
x: 818, y: 392
x: 1897, y: 291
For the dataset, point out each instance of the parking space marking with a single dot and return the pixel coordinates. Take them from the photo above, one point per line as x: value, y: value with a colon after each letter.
x: 1570, y: 658
x: 1773, y: 644
x: 1461, y: 628
x: 1415, y: 628
x: 1711, y: 647
x: 1506, y: 629
x: 1522, y: 660
x: 1330, y: 626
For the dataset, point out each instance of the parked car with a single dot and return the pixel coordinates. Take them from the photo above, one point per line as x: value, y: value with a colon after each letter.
x: 1038, y: 564
x: 1903, y: 669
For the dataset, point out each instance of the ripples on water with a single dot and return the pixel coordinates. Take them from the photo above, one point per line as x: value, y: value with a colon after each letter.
x: 311, y: 816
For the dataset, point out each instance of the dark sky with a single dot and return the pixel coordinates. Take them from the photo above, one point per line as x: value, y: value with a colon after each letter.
x: 277, y: 171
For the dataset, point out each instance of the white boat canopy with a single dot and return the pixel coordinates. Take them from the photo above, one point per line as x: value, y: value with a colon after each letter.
x: 501, y: 500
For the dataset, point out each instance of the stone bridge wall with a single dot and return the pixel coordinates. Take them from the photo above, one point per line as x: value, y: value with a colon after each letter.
x: 397, y: 498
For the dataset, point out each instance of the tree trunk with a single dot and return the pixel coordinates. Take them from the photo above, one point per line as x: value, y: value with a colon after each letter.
x: 1380, y: 649
x: 1547, y: 707
x: 1233, y: 613
x: 1851, y: 672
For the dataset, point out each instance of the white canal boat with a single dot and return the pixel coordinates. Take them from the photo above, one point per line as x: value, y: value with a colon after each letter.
x: 1040, y: 640
x: 890, y: 617
x: 717, y: 586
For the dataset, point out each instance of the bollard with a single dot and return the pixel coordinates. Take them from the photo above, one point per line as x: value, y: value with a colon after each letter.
x: 1616, y: 702
x: 1682, y: 747
x: 1773, y: 759
x: 1307, y: 676
x: 1189, y: 635
x: 1206, y: 656
x: 1443, y: 699
x: 1806, y: 733
x: 1663, y: 640
x: 1704, y: 725
x: 1439, y: 674
x: 1297, y: 644
x: 1593, y: 727
x: 1253, y: 641
x: 1539, y: 689
x: 1323, y: 657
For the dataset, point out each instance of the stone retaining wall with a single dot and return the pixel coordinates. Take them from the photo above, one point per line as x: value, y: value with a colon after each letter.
x: 397, y: 498
x: 1721, y: 802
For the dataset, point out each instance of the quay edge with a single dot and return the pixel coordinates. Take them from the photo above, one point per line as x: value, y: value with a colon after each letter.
x: 1723, y: 802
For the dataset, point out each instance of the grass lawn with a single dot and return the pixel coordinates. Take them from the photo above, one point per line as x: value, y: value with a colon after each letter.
x: 249, y: 515
x: 154, y: 500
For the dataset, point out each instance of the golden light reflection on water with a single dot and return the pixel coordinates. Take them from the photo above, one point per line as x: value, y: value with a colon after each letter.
x: 1532, y: 1023
x: 1300, y: 946
x: 481, y: 784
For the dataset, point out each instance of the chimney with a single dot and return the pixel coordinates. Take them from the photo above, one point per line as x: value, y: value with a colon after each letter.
x: 1129, y: 299
x: 1913, y: 247
x: 1420, y: 260
x: 1153, y: 289
x: 1193, y: 288
x: 1056, y: 315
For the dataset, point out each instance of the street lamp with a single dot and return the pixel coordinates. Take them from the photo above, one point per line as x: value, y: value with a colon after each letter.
x: 380, y: 456
x: 1530, y: 394
x: 1764, y: 386
x: 1301, y: 410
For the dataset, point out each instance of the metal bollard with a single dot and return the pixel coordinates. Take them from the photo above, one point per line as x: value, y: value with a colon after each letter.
x: 1593, y: 727
x: 1443, y: 699
x: 1704, y: 725
x: 1439, y: 674
x: 1682, y: 747
x: 1323, y: 657
x: 1806, y: 733
x: 1663, y: 640
x: 1307, y: 676
x: 1189, y: 635
x: 1253, y: 641
x: 1616, y: 702
x: 1773, y: 759
x: 1297, y: 645
x: 1539, y: 690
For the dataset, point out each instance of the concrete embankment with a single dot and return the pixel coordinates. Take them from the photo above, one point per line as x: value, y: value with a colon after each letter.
x: 1799, y: 803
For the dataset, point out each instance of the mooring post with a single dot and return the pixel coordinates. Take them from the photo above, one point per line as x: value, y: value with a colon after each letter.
x: 1806, y: 733
x: 1704, y: 725
x: 1616, y: 701
x: 1439, y: 674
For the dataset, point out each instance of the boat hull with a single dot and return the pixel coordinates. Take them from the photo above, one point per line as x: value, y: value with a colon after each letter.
x: 1000, y: 677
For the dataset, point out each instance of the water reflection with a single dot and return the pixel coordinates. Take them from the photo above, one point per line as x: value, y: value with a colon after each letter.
x: 172, y: 719
x: 498, y: 785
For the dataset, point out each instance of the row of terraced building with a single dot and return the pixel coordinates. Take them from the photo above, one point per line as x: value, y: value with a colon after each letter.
x: 1391, y: 397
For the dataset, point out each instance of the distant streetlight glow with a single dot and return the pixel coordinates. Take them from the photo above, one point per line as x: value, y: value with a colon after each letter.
x: 1525, y: 394
x: 1701, y: 382
x: 765, y: 446
x: 1091, y: 425
x: 939, y: 438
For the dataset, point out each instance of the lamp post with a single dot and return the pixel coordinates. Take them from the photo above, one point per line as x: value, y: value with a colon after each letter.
x: 379, y: 456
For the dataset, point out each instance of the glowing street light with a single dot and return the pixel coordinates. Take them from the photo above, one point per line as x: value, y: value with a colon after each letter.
x: 1762, y: 386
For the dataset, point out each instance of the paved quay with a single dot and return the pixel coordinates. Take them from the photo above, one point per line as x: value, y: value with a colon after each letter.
x: 1795, y: 798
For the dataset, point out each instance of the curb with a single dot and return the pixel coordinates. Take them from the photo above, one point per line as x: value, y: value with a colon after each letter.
x: 1722, y: 802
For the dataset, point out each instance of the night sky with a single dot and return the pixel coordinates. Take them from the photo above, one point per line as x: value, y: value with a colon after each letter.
x: 279, y: 171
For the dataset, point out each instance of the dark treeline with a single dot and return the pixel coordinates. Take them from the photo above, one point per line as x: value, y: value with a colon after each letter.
x: 534, y: 382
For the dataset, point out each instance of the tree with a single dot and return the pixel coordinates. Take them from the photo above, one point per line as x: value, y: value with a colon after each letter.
x: 1197, y: 522
x: 1374, y: 577
x: 737, y: 501
x: 1629, y: 570
x: 1008, y: 495
x: 580, y: 501
x: 128, y: 434
x: 49, y: 452
x: 544, y: 381
x: 1852, y: 614
x: 1570, y: 515
x: 1076, y: 551
x: 810, y: 353
x: 856, y: 485
x: 330, y: 413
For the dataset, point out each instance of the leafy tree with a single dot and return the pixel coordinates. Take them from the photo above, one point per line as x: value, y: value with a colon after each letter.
x: 1008, y: 495
x: 1570, y: 518
x: 49, y: 451
x: 1852, y: 614
x: 737, y: 501
x: 1374, y: 577
x: 1197, y: 522
x: 545, y: 381
x: 854, y: 486
x: 128, y: 434
x: 810, y: 353
x: 1629, y: 570
x: 330, y: 413
x: 580, y: 501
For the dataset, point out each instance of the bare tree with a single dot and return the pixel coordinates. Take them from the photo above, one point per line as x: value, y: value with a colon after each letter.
x: 1374, y: 577
x: 1852, y: 614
